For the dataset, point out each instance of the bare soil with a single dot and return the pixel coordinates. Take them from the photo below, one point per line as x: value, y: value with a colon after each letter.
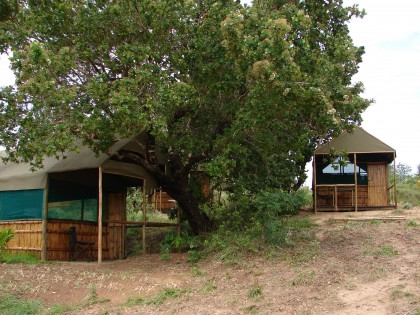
x: 346, y: 267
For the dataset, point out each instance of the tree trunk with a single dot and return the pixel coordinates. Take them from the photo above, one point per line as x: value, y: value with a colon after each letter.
x: 197, y: 219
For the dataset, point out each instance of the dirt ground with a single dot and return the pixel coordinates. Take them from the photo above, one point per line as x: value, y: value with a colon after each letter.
x: 348, y: 267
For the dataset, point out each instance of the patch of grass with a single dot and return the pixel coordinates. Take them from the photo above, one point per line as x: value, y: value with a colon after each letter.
x: 209, y: 286
x: 92, y: 297
x: 125, y: 275
x: 398, y: 212
x: 377, y: 272
x: 20, y: 257
x: 350, y: 225
x: 231, y: 246
x: 13, y: 305
x: 165, y: 254
x: 255, y: 292
x: 252, y: 309
x: 134, y: 301
x: 398, y: 293
x: 304, y: 278
x: 194, y: 256
x: 165, y: 294
x: 302, y: 253
x: 271, y: 254
x: 386, y: 250
x: 197, y: 272
x: 57, y: 309
x: 407, y: 205
x: 382, y: 251
x: 412, y: 224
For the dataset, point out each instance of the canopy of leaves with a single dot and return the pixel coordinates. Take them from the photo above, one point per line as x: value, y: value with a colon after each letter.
x: 246, y: 92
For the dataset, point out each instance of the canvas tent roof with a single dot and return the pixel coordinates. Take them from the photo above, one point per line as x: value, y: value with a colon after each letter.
x: 19, y: 176
x: 359, y: 141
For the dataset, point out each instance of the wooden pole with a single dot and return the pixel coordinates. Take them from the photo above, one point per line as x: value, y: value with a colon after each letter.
x: 44, y: 224
x: 335, y: 198
x: 143, y: 231
x: 314, y: 183
x: 100, y: 216
x: 355, y: 183
x: 160, y: 199
x: 395, y: 186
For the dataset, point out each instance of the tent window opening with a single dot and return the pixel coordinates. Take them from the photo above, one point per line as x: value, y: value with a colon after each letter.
x: 342, y: 172
x: 72, y: 202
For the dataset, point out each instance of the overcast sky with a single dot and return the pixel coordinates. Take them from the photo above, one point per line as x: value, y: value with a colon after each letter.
x: 390, y: 72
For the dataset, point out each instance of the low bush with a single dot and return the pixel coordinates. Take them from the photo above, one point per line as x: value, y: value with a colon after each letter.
x: 5, y: 236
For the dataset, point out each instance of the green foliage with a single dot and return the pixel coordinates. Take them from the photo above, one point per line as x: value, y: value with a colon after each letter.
x: 13, y: 305
x: 92, y: 298
x: 20, y: 258
x: 280, y: 202
x: 408, y: 194
x: 255, y: 292
x: 232, y: 246
x: 5, y: 236
x: 134, y: 204
x: 165, y: 294
x: 184, y: 242
x: 134, y: 301
x: 204, y: 81
x: 408, y: 189
x: 403, y: 172
x: 304, y: 278
x: 386, y: 250
x: 412, y: 224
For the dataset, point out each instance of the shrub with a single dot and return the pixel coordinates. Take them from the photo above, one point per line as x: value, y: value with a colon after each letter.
x: 5, y: 236
x: 280, y: 202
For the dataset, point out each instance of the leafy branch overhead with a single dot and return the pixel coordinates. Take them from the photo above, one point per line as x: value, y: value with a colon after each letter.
x: 246, y: 92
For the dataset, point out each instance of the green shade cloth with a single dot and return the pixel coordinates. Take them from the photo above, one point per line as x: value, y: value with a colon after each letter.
x: 21, y: 204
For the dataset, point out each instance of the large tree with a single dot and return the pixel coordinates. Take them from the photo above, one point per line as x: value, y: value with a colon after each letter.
x: 244, y: 93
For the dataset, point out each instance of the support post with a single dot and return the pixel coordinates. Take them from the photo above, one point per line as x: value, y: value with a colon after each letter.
x: 100, y: 216
x: 160, y: 199
x: 314, y: 183
x: 355, y: 182
x: 395, y: 186
x: 44, y: 224
x: 335, y: 198
x: 143, y: 230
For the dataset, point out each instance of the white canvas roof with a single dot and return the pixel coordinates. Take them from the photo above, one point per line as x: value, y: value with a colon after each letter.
x: 15, y: 176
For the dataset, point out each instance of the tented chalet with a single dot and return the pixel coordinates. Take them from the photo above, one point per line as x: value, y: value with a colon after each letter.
x: 83, y: 190
x: 358, y: 182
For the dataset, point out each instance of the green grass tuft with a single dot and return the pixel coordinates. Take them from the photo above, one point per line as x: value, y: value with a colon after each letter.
x: 255, y: 292
x: 20, y: 258
x: 14, y: 305
x: 412, y: 224
x: 134, y: 301
x: 165, y: 294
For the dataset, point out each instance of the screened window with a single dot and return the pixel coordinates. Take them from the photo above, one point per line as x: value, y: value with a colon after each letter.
x: 72, y: 202
x: 342, y: 173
